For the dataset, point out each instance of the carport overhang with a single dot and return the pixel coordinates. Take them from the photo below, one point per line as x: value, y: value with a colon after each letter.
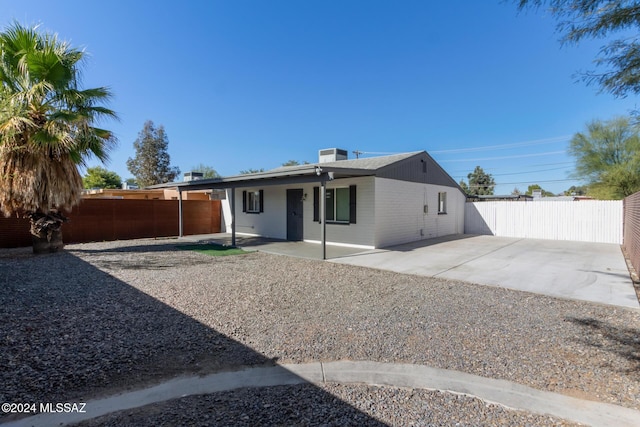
x: 303, y: 174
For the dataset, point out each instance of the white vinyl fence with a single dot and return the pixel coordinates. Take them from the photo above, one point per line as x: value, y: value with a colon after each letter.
x: 585, y: 221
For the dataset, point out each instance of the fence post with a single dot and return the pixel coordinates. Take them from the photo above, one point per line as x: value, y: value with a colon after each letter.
x: 180, y: 228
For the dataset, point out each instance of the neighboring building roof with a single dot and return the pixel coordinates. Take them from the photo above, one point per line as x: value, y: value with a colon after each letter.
x: 563, y: 198
x: 493, y: 198
x: 157, y: 194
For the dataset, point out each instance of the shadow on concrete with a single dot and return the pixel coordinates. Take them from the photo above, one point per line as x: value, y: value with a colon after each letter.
x: 623, y: 276
x: 72, y: 332
x: 225, y: 239
x: 274, y: 246
x: 622, y: 341
x: 407, y: 247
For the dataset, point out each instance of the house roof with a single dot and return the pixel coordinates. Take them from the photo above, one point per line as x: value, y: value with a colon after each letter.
x: 312, y: 172
x: 366, y: 164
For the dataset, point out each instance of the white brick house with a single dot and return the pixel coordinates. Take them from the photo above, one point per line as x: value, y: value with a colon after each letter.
x: 370, y: 202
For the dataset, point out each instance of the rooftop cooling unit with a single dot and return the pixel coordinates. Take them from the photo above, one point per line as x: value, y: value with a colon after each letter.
x: 192, y: 176
x: 332, y: 155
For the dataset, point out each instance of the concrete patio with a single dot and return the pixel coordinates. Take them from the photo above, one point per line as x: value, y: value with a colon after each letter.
x: 594, y: 272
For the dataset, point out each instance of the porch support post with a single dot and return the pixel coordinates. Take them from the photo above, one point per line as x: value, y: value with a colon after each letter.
x: 323, y: 214
x: 233, y: 216
x: 180, y: 217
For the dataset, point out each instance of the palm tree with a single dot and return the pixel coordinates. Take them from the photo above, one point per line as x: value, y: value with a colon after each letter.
x: 46, y: 130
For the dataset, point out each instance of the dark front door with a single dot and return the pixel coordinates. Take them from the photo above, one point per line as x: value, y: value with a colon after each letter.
x: 294, y: 214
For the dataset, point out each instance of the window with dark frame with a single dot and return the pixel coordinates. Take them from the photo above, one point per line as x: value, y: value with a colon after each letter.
x: 340, y: 206
x: 253, y: 201
x: 337, y: 206
x: 442, y: 203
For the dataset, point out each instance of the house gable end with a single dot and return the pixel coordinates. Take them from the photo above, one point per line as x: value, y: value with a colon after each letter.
x: 419, y: 168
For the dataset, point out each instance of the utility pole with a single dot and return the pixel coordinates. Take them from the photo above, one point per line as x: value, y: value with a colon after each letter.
x: 357, y: 153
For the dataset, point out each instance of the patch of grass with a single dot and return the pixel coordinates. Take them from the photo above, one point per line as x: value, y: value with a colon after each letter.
x: 213, y: 250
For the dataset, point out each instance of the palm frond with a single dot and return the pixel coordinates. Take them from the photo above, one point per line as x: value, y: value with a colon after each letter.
x: 46, y: 121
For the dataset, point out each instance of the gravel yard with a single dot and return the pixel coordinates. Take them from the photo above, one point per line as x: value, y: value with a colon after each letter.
x: 104, y: 317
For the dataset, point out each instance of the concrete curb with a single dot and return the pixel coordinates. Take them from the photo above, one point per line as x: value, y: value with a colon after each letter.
x: 501, y: 392
x: 505, y: 393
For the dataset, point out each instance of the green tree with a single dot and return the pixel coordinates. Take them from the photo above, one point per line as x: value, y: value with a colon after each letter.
x: 464, y: 186
x: 608, y: 156
x: 47, y: 129
x: 580, y: 190
x: 99, y: 177
x: 151, y: 164
x: 294, y: 163
x: 207, y: 171
x: 533, y: 187
x: 480, y: 182
x: 247, y: 171
x: 597, y: 19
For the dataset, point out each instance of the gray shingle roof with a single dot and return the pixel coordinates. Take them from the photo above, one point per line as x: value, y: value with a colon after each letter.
x: 364, y: 166
x: 367, y: 163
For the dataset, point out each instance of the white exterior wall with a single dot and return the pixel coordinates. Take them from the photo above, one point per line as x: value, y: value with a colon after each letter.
x: 270, y: 223
x: 388, y: 212
x: 586, y: 220
x: 226, y: 212
x: 362, y: 232
x: 400, y: 217
x: 273, y: 221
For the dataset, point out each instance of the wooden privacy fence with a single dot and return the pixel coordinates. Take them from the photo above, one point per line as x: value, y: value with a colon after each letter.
x: 121, y: 219
x: 585, y: 221
x: 632, y: 229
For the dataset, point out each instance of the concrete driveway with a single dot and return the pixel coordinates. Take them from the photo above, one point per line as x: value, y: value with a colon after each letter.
x: 593, y: 272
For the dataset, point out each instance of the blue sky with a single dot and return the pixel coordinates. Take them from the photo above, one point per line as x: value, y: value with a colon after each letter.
x: 242, y: 84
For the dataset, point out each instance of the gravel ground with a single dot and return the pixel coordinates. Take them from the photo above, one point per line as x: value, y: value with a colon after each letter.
x: 112, y: 316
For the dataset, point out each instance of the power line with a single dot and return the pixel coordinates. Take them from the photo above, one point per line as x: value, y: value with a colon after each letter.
x: 504, y: 146
x: 548, y: 153
x: 466, y: 171
x: 527, y: 182
x: 524, y: 173
x: 536, y: 181
x: 553, y: 164
x: 518, y: 173
x: 377, y: 152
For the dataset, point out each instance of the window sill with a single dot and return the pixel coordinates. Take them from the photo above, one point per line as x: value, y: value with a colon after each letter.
x: 253, y: 212
x: 442, y: 213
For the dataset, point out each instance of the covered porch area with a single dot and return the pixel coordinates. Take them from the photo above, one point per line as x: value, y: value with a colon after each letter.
x: 292, y: 177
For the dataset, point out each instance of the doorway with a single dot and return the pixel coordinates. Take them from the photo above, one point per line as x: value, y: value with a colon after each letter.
x: 294, y: 214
